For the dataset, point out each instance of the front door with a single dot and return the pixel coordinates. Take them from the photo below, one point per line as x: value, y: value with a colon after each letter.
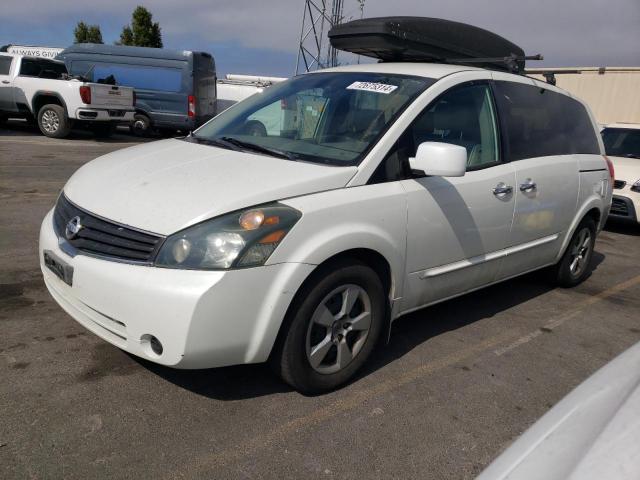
x: 457, y: 226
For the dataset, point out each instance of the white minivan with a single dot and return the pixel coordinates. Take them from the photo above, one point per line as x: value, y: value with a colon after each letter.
x: 386, y: 187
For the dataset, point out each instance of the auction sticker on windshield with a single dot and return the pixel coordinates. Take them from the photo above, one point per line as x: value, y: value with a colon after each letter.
x: 372, y: 87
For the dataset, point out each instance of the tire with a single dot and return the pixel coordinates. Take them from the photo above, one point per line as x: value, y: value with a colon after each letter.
x: 316, y: 323
x: 103, y: 130
x: 254, y: 128
x: 575, y: 265
x: 53, y: 121
x: 141, y: 126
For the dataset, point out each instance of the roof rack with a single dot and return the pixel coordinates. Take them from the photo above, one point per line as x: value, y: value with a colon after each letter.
x: 424, y: 39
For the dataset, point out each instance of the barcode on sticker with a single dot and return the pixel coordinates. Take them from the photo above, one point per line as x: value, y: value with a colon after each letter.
x: 372, y: 87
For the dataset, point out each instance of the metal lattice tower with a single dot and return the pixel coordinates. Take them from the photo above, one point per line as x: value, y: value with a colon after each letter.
x: 318, y: 18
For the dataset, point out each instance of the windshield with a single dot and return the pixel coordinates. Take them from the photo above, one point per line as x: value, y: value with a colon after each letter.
x: 622, y: 142
x: 321, y: 117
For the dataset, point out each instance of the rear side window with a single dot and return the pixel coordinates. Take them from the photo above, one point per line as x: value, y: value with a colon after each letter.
x: 5, y: 65
x: 539, y: 122
x: 31, y: 67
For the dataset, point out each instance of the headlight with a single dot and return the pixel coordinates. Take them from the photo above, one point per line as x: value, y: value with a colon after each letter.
x: 636, y: 187
x: 240, y: 239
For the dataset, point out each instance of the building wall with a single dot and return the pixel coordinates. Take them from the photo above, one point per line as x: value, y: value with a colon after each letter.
x: 613, y: 93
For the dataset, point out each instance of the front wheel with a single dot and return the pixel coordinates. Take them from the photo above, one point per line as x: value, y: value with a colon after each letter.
x: 335, y: 324
x: 575, y: 265
x: 53, y: 121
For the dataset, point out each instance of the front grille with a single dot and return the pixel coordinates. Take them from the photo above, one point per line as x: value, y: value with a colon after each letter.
x: 103, y: 238
x: 619, y: 207
x: 619, y: 184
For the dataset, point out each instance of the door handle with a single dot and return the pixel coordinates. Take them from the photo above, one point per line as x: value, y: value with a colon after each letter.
x: 528, y: 186
x: 6, y: 82
x: 502, y: 189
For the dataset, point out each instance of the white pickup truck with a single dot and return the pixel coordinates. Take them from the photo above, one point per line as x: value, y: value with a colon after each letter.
x: 42, y: 90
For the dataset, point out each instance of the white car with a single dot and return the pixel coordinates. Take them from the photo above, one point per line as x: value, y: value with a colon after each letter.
x: 622, y: 144
x: 388, y: 187
x: 41, y: 89
x: 592, y: 434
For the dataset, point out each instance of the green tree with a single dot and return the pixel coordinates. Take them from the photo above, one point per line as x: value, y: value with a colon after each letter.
x: 87, y: 33
x: 142, y: 32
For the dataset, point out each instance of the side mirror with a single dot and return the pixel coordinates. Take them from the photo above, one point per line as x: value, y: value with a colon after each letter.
x: 440, y: 159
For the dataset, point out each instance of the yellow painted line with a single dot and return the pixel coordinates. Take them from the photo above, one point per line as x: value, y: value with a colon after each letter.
x: 555, y: 323
x: 353, y: 400
x: 356, y: 398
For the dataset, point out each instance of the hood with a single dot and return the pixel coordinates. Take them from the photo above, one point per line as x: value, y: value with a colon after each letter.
x: 627, y: 169
x: 165, y: 186
x: 592, y: 434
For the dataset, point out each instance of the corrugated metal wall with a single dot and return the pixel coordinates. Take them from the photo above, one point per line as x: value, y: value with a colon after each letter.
x: 612, y: 93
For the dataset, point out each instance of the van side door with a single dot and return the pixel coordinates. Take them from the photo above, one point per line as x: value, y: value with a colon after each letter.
x: 7, y: 102
x: 538, y: 133
x: 457, y: 226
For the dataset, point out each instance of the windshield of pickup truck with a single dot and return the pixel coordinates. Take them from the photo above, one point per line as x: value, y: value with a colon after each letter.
x: 332, y: 118
x: 622, y: 142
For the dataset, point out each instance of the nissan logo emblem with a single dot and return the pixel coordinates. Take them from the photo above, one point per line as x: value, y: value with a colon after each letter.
x: 73, y: 227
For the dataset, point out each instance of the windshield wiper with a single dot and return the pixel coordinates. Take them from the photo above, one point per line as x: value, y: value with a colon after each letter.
x: 192, y: 137
x: 258, y: 148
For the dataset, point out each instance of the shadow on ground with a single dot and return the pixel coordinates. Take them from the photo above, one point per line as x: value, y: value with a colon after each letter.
x: 22, y: 128
x: 409, y: 331
x: 624, y: 227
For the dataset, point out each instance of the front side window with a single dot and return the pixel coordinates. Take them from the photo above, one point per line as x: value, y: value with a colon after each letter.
x: 622, y: 142
x: 5, y: 64
x: 321, y: 117
x: 463, y: 116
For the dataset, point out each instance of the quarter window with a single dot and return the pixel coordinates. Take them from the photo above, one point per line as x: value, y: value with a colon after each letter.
x: 540, y: 122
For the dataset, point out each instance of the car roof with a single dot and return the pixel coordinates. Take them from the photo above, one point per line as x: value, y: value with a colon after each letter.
x: 420, y: 69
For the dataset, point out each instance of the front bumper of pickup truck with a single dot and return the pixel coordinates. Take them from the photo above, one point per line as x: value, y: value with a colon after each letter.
x: 104, y: 115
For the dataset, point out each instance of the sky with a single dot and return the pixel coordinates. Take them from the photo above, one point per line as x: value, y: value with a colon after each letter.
x: 260, y: 37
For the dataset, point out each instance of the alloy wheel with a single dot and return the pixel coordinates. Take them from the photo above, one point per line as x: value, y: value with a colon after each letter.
x: 338, y: 329
x: 50, y: 121
x: 580, y: 252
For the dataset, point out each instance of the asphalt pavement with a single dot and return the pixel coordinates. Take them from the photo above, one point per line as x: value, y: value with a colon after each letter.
x: 456, y: 385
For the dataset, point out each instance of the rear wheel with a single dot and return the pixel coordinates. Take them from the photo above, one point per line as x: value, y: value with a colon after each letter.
x: 141, y: 126
x: 53, y: 121
x: 335, y: 325
x: 575, y: 265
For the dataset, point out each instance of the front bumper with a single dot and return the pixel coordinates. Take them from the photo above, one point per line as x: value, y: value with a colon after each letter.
x: 104, y: 115
x: 203, y: 319
x: 625, y: 204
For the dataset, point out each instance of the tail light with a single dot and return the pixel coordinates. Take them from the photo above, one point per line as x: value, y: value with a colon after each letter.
x: 85, y: 94
x: 612, y: 172
x: 134, y: 98
x: 192, y: 106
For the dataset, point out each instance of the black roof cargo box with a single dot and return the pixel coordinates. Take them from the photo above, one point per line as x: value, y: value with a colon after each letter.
x: 423, y: 39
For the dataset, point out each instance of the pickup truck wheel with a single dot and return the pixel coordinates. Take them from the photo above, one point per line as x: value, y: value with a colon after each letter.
x: 53, y: 121
x: 575, y: 265
x: 336, y: 321
x: 141, y: 126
